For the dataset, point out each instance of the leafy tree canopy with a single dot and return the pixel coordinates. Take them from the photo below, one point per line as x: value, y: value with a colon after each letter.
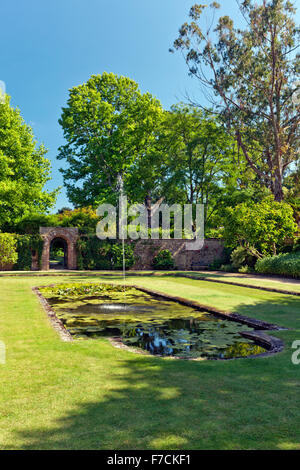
x: 24, y: 170
x: 85, y: 219
x: 193, y: 160
x: 250, y: 75
x: 262, y: 228
x: 108, y: 125
x: 201, y: 159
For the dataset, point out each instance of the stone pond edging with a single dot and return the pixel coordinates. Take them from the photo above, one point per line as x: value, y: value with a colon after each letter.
x: 56, y: 323
x: 272, y: 344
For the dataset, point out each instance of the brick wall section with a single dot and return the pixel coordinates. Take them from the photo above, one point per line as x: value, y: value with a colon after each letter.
x: 35, y: 261
x: 7, y: 267
x: 145, y: 250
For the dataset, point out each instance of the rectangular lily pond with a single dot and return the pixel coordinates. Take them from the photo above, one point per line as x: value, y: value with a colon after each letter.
x: 147, y: 322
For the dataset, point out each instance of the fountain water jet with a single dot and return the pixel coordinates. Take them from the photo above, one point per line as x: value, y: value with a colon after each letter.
x: 122, y: 228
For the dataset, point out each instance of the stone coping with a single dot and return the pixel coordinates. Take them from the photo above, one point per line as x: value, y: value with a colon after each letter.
x: 272, y: 344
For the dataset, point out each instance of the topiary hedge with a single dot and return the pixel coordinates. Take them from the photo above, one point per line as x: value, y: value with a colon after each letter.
x: 284, y: 265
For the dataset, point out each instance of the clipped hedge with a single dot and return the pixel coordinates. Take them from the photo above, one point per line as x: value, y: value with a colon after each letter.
x: 287, y: 264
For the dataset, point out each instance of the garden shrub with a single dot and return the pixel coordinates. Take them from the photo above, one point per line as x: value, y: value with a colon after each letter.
x: 284, y: 265
x: 163, y: 260
x: 215, y: 233
x: 94, y: 253
x: 246, y: 269
x: 31, y: 224
x: 241, y: 257
x: 228, y: 268
x: 296, y: 247
x: 117, y: 256
x: 262, y: 228
x: 8, y: 251
x: 216, y: 264
x: 84, y: 218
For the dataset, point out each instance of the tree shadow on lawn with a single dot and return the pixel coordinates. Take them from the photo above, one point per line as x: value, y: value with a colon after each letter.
x: 173, y: 404
x: 224, y: 275
x: 244, y: 404
x: 283, y: 310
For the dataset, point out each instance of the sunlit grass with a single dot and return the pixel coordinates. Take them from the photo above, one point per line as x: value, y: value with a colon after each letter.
x: 90, y: 395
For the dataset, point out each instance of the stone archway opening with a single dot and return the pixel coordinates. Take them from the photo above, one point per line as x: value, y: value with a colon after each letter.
x: 58, y: 257
x: 63, y: 238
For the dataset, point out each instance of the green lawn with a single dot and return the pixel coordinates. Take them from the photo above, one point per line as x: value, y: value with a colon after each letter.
x: 89, y: 395
x: 289, y: 285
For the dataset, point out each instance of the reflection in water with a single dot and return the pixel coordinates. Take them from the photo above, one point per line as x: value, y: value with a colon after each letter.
x: 191, y: 338
x: 161, y: 327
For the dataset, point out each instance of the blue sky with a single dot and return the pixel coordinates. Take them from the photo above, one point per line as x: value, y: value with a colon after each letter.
x: 48, y: 47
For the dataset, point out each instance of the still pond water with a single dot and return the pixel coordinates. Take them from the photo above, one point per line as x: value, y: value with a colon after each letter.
x: 148, y: 322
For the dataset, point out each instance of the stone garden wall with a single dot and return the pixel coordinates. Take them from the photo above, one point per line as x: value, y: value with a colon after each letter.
x: 145, y: 250
x: 7, y: 267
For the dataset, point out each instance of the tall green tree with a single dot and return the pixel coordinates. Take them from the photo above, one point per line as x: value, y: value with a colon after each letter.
x: 252, y: 74
x: 197, y: 159
x: 194, y: 160
x: 108, y: 125
x: 261, y: 228
x: 24, y: 170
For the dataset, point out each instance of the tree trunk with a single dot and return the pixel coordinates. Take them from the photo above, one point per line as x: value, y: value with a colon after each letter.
x: 148, y: 207
x: 277, y: 187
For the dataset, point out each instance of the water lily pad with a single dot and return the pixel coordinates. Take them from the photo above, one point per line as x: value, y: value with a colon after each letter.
x: 157, y: 325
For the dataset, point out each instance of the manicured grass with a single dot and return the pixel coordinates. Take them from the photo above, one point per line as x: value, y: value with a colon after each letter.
x: 289, y: 285
x: 89, y: 395
x: 273, y: 282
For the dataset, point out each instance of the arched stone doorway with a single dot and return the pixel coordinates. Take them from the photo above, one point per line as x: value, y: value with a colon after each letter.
x: 67, y: 237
